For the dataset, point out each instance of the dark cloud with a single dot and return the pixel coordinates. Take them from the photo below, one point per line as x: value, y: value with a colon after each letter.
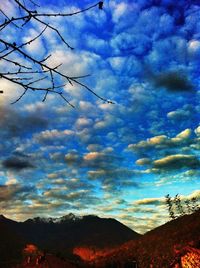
x: 17, y: 163
x: 14, y: 124
x: 173, y: 81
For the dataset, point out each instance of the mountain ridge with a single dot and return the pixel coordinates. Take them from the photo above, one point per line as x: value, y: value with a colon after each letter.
x: 173, y: 244
x: 62, y: 235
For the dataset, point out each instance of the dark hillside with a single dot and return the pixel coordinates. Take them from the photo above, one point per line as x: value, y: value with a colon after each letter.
x: 164, y: 246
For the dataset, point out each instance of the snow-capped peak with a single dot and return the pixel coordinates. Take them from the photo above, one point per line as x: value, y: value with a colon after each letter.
x: 68, y: 217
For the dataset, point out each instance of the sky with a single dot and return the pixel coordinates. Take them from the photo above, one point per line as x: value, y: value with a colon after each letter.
x: 113, y: 160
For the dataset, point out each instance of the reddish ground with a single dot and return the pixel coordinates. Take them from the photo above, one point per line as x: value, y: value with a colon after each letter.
x: 49, y: 262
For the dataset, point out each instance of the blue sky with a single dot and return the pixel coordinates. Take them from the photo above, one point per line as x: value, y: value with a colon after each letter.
x: 114, y: 160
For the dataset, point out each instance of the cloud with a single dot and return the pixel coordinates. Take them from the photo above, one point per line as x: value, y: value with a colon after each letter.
x: 150, y: 201
x: 162, y: 141
x: 65, y: 195
x: 53, y: 136
x: 195, y: 194
x: 14, y: 123
x: 83, y: 122
x: 73, y: 158
x: 17, y: 163
x: 79, y: 153
x: 143, y: 161
x: 9, y: 8
x: 116, y: 174
x: 116, y: 180
x: 197, y: 131
x: 178, y: 161
x: 101, y: 160
x: 119, y: 10
x: 13, y: 191
x: 181, y: 114
x: 36, y: 47
x: 194, y: 49
x: 173, y: 81
x: 93, y: 156
x: 95, y: 159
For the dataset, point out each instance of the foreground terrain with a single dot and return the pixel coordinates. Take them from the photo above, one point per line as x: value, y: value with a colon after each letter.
x: 94, y: 242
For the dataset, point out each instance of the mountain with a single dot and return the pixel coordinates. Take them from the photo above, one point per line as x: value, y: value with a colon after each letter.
x: 11, y: 242
x: 69, y: 217
x: 70, y: 231
x: 90, y: 241
x: 59, y: 236
x: 175, y: 244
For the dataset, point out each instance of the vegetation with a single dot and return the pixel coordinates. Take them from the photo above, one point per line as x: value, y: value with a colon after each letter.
x: 173, y: 245
x: 177, y: 207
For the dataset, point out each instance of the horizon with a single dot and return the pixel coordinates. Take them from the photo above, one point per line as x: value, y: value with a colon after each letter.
x: 112, y: 160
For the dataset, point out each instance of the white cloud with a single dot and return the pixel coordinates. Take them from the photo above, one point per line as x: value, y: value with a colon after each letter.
x: 83, y: 122
x: 119, y: 10
x: 117, y: 63
x: 53, y: 135
x: 8, y: 8
x: 197, y: 131
x: 194, y: 48
x: 93, y: 156
x: 162, y: 140
x: 11, y: 180
x: 10, y: 91
x: 36, y: 47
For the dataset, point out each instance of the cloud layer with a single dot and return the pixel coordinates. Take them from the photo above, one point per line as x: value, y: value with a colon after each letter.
x: 112, y: 160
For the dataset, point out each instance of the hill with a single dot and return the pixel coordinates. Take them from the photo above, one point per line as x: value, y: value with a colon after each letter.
x: 174, y: 244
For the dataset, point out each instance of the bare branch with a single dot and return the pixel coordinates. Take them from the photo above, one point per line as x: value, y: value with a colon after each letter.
x: 20, y: 97
x: 29, y: 71
x: 54, y: 29
x: 66, y: 100
x: 34, y: 3
x: 16, y: 63
x: 9, y: 18
x: 65, y: 14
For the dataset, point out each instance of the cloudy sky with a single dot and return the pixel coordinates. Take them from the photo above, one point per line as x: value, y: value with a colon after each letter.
x: 113, y: 160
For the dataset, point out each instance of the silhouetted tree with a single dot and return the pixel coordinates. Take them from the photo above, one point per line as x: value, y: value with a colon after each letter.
x: 188, y: 206
x: 178, y: 204
x: 191, y: 205
x: 169, y: 203
x: 22, y: 68
x: 195, y: 206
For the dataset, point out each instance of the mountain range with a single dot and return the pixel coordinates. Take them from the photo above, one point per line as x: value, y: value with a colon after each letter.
x: 59, y: 236
x: 91, y: 241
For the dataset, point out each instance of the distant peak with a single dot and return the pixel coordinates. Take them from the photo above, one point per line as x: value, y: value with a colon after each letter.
x: 3, y: 218
x: 68, y: 217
